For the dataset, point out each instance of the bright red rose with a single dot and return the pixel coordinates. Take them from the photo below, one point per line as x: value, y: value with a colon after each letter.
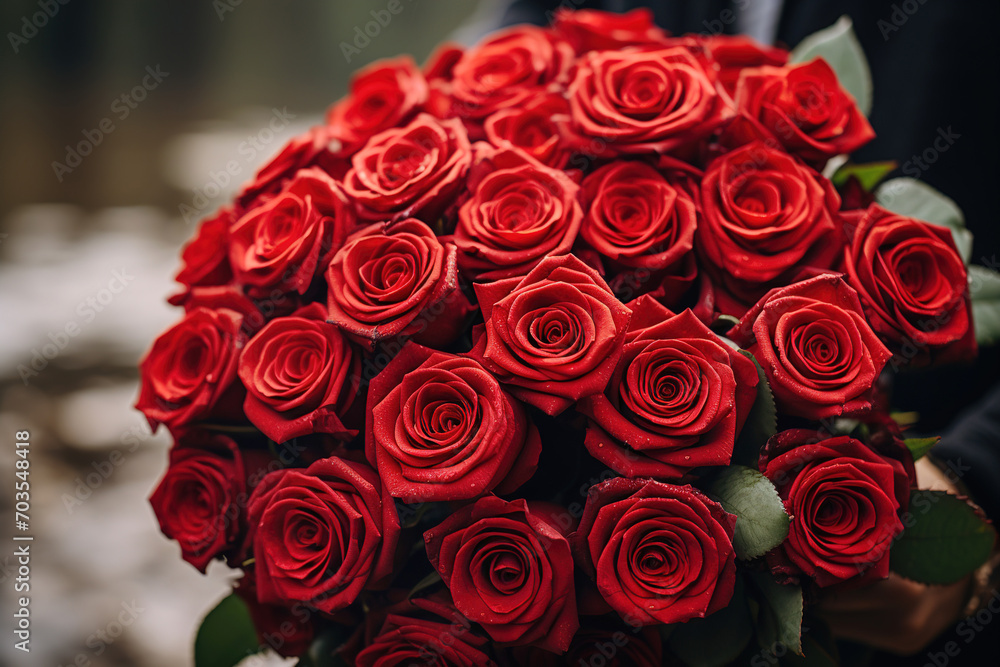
x: 844, y: 499
x: 644, y: 101
x: 310, y: 148
x: 765, y: 216
x: 205, y: 258
x: 659, y: 553
x: 190, y: 372
x: 411, y: 171
x: 198, y: 502
x: 595, y: 30
x: 677, y: 400
x: 396, y: 279
x: 301, y: 375
x: 288, y: 631
x: 734, y: 53
x: 426, y: 631
x: 383, y: 95
x: 441, y: 428
x: 913, y: 285
x: 519, y: 212
x: 804, y: 108
x: 510, y: 569
x: 321, y: 535
x: 811, y: 338
x: 553, y: 336
x: 540, y: 127
x: 282, y: 244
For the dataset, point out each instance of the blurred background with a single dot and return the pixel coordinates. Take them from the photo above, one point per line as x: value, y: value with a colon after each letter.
x: 117, y: 122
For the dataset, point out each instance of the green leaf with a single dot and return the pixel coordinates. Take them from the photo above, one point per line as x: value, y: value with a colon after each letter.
x: 779, y: 623
x: 717, y: 639
x: 920, y: 446
x: 323, y: 650
x: 916, y: 199
x: 761, y: 424
x: 761, y: 521
x: 431, y: 579
x: 840, y: 48
x: 226, y: 635
x: 945, y: 539
x: 984, y: 288
x: 869, y: 174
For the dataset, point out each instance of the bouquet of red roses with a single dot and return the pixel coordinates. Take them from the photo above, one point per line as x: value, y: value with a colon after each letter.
x: 564, y: 349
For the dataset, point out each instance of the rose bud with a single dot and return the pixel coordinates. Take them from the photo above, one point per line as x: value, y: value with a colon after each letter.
x: 659, y: 553
x: 396, y: 279
x: 321, y: 535
x: 301, y: 375
x: 819, y: 354
x: 442, y: 428
x: 554, y: 336
x: 844, y: 499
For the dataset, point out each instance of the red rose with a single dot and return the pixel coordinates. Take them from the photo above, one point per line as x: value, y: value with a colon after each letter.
x: 811, y: 338
x: 189, y: 372
x: 676, y: 401
x: 659, y: 553
x: 198, y: 502
x: 595, y: 30
x: 205, y: 258
x: 844, y: 499
x: 735, y: 53
x: 305, y: 150
x: 426, y: 631
x: 289, y: 632
x: 644, y: 101
x: 804, y: 108
x: 504, y: 71
x: 281, y: 244
x: 321, y: 534
x: 641, y: 221
x: 510, y: 570
x: 553, y: 336
x: 412, y: 171
x: 396, y: 279
x: 301, y: 376
x: 519, y: 212
x: 383, y: 95
x: 441, y: 428
x: 764, y: 217
x: 540, y: 127
x: 912, y: 283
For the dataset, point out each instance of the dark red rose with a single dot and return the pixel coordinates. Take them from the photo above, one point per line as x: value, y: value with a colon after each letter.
x: 205, y: 258
x: 540, y: 127
x: 310, y: 148
x: 301, y: 375
x: 519, y: 212
x: 504, y: 71
x: 383, y: 95
x: 190, y: 371
x: 287, y: 631
x: 199, y: 500
x: 426, y: 631
x: 396, y: 279
x: 804, y: 108
x: 644, y: 101
x: 412, y: 171
x: 734, y: 53
x: 595, y: 30
x: 764, y: 217
x: 913, y: 285
x: 322, y: 534
x: 553, y: 336
x: 281, y: 244
x: 509, y: 570
x: 677, y: 400
x: 811, y: 338
x: 659, y: 553
x: 441, y: 428
x: 844, y: 499
x: 641, y: 221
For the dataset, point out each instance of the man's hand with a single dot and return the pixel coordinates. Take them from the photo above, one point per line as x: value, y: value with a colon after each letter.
x: 898, y: 615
